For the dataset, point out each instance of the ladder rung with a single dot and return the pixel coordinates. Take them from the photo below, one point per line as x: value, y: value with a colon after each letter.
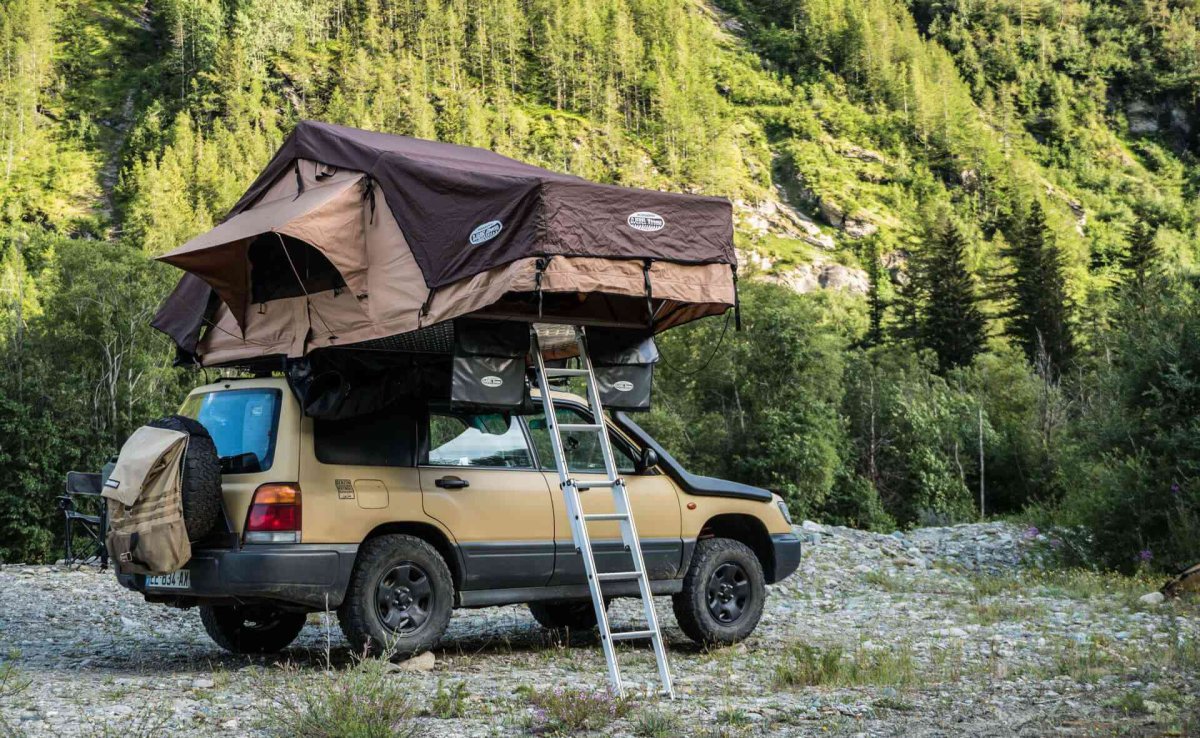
x: 595, y: 484
x: 630, y: 635
x: 568, y: 427
x: 606, y: 516
x: 611, y: 575
x: 552, y: 372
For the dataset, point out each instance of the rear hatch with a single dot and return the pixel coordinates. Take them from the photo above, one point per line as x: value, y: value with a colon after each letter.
x: 255, y: 426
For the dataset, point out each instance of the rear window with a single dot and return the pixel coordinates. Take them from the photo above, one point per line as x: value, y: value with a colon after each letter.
x: 243, y: 424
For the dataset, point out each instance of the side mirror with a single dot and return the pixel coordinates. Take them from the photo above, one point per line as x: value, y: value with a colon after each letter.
x: 648, y: 460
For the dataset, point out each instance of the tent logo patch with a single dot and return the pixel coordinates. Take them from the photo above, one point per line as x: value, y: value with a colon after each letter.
x: 623, y: 386
x: 487, y: 232
x: 491, y: 381
x: 646, y: 221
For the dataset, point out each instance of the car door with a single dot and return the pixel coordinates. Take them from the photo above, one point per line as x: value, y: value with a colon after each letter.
x: 478, y: 478
x: 652, y: 496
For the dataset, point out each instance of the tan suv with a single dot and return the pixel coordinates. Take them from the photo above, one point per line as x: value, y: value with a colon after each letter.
x: 396, y: 518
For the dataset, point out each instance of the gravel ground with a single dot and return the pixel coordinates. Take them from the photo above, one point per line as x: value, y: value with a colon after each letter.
x: 944, y: 631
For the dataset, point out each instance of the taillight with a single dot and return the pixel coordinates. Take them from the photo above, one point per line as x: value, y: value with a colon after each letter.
x: 274, y: 515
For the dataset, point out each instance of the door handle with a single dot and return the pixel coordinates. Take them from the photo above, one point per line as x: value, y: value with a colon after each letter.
x: 452, y: 483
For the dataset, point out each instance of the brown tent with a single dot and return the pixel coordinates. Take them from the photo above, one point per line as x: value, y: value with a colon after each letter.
x: 350, y: 237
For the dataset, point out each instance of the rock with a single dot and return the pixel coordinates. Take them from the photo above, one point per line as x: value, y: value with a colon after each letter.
x: 203, y: 683
x: 420, y: 662
x: 854, y: 151
x: 1153, y: 598
x: 812, y: 527
x: 856, y: 228
x: 833, y: 213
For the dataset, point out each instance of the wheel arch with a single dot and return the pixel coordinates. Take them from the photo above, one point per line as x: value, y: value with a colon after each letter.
x: 432, y: 535
x: 745, y: 529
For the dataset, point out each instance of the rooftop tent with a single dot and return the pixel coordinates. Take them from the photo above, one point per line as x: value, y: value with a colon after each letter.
x: 354, y: 238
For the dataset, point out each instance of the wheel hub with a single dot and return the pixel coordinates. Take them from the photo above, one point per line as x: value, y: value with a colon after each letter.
x: 728, y: 592
x: 404, y: 598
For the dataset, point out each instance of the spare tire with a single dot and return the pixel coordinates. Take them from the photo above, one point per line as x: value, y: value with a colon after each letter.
x: 201, y: 476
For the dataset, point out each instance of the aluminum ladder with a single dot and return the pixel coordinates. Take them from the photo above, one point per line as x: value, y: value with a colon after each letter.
x: 623, y: 514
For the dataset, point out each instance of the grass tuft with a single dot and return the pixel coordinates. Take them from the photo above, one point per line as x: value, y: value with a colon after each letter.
x: 567, y: 711
x: 365, y: 701
x: 449, y: 701
x: 657, y: 724
x: 805, y: 666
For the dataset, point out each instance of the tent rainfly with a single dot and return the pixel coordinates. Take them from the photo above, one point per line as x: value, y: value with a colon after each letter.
x: 353, y: 238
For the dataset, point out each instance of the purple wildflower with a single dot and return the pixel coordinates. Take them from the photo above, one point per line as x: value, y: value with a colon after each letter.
x: 1145, y: 555
x: 1175, y: 489
x: 1055, y: 543
x: 1031, y: 532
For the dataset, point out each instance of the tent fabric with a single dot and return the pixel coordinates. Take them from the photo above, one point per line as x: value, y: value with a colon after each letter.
x: 350, y: 236
x: 327, y: 217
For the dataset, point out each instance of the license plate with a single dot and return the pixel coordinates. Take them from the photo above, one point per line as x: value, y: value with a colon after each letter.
x: 181, y: 579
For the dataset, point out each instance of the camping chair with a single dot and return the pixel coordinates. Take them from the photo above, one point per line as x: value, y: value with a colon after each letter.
x: 91, y: 521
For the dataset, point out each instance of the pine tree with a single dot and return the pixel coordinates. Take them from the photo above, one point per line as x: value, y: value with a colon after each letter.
x: 875, y: 302
x: 1036, y: 290
x: 949, y: 322
x: 1142, y: 263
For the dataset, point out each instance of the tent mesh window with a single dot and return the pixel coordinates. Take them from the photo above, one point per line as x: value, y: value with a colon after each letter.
x: 277, y: 260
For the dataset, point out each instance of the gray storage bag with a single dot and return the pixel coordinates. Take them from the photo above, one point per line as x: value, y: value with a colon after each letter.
x: 623, y: 362
x: 489, y: 365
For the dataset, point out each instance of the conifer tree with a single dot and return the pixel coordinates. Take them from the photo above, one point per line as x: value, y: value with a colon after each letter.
x: 1036, y: 290
x: 1142, y: 263
x: 875, y: 302
x: 951, y: 324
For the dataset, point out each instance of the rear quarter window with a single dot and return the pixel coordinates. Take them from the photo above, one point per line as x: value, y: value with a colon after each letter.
x: 387, y: 438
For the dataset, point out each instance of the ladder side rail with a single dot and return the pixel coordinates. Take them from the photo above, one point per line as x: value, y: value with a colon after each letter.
x: 623, y: 506
x: 578, y: 524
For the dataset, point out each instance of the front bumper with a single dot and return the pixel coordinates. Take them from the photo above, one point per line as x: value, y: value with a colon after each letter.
x: 787, y: 550
x: 312, y: 576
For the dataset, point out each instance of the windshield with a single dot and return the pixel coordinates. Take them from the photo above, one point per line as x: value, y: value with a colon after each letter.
x: 242, y: 424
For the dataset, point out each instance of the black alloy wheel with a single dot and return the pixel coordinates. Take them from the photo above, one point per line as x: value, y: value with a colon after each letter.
x: 729, y: 592
x: 399, y: 599
x: 723, y: 593
x: 404, y: 598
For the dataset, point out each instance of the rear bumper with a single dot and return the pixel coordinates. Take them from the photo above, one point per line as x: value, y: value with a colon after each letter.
x: 310, y: 576
x: 787, y: 550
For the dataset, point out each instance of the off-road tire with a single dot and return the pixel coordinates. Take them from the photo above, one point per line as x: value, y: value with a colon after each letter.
x: 360, y: 615
x: 575, y: 616
x: 251, y: 629
x: 201, y: 476
x: 692, y: 603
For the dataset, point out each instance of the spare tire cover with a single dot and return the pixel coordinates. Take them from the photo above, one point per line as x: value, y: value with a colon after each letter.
x: 201, y: 476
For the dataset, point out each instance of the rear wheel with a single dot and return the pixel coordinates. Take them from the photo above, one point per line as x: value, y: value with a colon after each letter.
x: 251, y: 628
x: 399, y: 600
x: 723, y: 593
x: 573, y: 615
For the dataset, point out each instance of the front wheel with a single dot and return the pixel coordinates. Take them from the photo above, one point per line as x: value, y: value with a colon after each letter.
x: 251, y: 628
x: 723, y: 593
x: 399, y: 600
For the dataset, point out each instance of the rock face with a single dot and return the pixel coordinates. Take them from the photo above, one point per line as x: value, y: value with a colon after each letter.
x: 803, y: 279
x: 780, y: 219
x: 973, y: 645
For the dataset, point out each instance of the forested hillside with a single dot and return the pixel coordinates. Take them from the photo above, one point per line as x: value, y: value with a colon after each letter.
x: 997, y: 196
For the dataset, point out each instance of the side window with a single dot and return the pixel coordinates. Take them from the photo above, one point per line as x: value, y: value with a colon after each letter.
x: 491, y: 440
x: 581, y: 447
x: 386, y: 438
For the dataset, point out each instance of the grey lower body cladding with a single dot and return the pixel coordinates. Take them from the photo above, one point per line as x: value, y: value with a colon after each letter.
x: 315, y: 576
